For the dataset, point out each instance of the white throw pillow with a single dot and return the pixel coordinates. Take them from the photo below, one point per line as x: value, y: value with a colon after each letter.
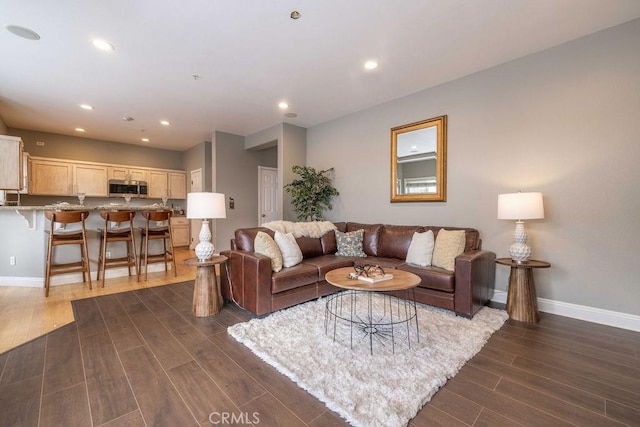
x: 265, y: 245
x: 449, y: 244
x: 291, y: 253
x: 421, y: 249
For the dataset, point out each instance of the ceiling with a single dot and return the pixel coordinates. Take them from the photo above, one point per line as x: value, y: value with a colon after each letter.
x: 250, y: 55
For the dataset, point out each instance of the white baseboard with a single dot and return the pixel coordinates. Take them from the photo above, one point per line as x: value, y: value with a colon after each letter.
x: 65, y: 279
x: 581, y: 312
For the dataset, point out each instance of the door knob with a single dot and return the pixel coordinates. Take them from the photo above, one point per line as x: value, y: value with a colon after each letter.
x: 263, y: 215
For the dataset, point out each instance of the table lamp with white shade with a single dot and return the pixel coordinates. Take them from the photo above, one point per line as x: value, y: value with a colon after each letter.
x: 520, y: 206
x: 205, y: 206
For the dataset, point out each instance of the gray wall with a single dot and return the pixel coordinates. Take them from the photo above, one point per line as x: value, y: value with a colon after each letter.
x: 292, y: 151
x: 95, y: 150
x: 563, y: 121
x: 236, y: 175
x: 199, y: 157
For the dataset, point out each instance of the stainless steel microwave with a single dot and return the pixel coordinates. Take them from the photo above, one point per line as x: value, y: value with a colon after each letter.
x: 120, y: 187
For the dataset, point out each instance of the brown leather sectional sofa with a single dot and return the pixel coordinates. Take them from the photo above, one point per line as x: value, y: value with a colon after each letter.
x: 259, y: 290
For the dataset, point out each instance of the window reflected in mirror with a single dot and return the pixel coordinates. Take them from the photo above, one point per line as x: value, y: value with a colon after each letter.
x: 418, y: 161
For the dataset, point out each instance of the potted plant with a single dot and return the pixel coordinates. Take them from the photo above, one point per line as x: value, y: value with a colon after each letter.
x: 312, y: 193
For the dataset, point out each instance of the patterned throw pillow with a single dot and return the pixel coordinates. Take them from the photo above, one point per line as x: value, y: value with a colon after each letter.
x: 449, y: 244
x: 350, y: 244
x: 265, y: 245
x: 421, y: 249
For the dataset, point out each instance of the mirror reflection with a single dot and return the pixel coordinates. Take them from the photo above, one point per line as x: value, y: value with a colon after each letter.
x: 418, y: 161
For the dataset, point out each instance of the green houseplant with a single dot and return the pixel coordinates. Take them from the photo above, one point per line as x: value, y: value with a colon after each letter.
x: 311, y: 193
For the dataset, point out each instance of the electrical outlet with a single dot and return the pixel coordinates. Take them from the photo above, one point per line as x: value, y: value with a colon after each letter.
x: 108, y: 255
x: 12, y: 260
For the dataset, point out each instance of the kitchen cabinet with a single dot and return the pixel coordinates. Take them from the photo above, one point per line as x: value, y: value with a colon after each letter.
x: 11, y: 163
x: 158, y: 184
x: 91, y: 180
x: 177, y: 185
x: 170, y: 183
x: 51, y: 177
x: 180, y: 231
x: 59, y: 177
x: 127, y: 174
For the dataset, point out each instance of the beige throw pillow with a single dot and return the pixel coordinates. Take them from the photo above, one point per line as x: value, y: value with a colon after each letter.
x: 421, y: 249
x: 265, y: 245
x: 291, y: 253
x: 449, y: 244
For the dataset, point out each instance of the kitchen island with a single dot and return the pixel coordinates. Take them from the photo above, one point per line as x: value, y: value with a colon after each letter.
x: 23, y: 242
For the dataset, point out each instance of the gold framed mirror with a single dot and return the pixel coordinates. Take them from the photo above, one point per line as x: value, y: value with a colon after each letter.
x: 419, y: 161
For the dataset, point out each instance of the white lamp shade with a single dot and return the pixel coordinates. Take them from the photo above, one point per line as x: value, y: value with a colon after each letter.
x: 520, y: 206
x: 206, y: 205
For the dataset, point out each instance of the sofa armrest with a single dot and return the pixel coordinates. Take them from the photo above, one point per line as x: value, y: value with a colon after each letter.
x: 248, y: 276
x: 475, y: 273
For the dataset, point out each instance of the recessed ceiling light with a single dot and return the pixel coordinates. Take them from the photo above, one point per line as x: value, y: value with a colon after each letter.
x: 145, y: 140
x: 86, y: 106
x: 23, y: 32
x: 103, y: 44
x: 127, y: 118
x: 371, y: 65
x: 291, y: 115
x: 165, y: 122
x: 79, y: 130
x: 283, y: 105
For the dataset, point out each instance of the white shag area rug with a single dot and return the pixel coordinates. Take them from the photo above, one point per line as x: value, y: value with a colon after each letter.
x: 383, y: 389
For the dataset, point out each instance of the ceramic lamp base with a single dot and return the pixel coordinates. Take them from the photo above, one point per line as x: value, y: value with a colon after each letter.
x: 519, y: 250
x: 204, y: 249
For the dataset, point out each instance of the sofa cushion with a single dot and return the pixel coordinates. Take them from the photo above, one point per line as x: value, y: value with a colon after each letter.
x: 293, y: 277
x: 326, y: 263
x: 329, y: 244
x: 291, y: 253
x: 383, y: 262
x: 449, y: 244
x: 432, y: 277
x: 350, y: 243
x: 245, y: 237
x: 371, y: 237
x: 395, y: 240
x: 265, y: 245
x: 421, y: 249
x: 310, y: 246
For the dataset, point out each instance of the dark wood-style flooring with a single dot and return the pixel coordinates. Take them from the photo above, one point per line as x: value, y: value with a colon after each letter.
x: 140, y: 358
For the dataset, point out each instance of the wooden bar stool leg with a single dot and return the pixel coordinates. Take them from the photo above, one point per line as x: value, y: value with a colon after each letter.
x: 47, y: 277
x: 85, y: 248
x: 135, y: 258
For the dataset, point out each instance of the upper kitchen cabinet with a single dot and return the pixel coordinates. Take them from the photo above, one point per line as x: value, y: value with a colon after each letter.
x: 90, y: 180
x: 128, y: 174
x: 158, y: 184
x: 51, y: 177
x: 177, y: 185
x: 11, y: 163
x: 172, y: 184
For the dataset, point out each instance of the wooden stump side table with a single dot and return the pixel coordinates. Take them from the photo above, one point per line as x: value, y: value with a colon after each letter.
x: 207, y: 298
x: 522, y: 302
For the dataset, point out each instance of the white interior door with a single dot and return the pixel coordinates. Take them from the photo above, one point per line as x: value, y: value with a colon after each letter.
x: 196, y: 224
x: 268, y: 206
x: 196, y: 181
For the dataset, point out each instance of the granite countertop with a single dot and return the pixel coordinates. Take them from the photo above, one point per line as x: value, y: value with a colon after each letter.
x: 87, y: 207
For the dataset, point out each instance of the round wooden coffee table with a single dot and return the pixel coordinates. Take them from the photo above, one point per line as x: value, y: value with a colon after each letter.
x: 374, y: 310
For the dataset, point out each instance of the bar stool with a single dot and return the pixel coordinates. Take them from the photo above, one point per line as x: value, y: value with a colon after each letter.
x: 162, y: 232
x: 117, y: 234
x: 67, y: 237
